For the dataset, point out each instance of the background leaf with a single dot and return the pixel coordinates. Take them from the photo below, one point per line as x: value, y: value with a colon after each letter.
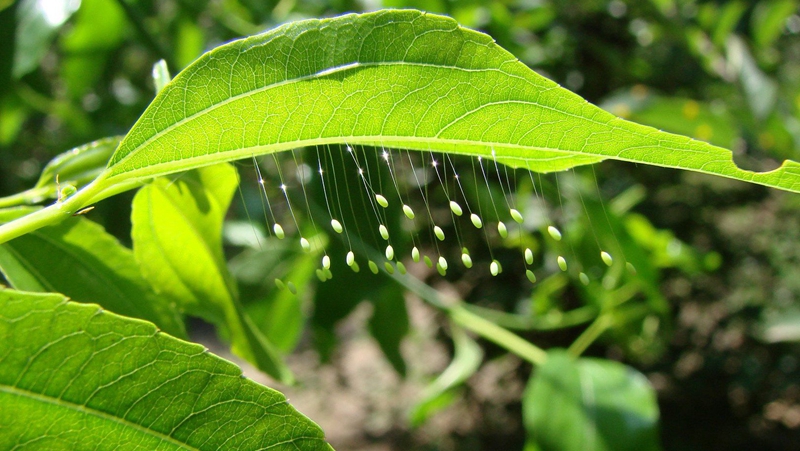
x: 278, y: 313
x: 439, y: 394
x: 81, y: 260
x: 590, y: 405
x: 37, y: 23
x: 72, y: 374
x: 389, y: 324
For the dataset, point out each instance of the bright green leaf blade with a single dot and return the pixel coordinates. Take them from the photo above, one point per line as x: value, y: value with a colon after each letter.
x: 81, y: 260
x: 73, y: 375
x: 394, y: 78
x: 590, y: 405
x: 177, y: 240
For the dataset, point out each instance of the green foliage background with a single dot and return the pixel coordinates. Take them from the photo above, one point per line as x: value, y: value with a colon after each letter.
x: 719, y: 259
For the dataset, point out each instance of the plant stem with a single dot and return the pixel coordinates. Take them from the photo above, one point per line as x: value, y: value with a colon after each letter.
x: 52, y: 214
x: 497, y: 335
x: 591, y: 334
x: 28, y: 197
x: 550, y: 321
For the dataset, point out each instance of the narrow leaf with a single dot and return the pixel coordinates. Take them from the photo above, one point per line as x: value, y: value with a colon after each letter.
x: 72, y: 374
x: 394, y: 78
x: 177, y: 240
x: 80, y: 259
x: 79, y: 165
x: 278, y: 312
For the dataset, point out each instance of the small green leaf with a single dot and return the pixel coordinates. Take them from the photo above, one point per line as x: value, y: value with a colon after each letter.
x: 177, y: 240
x: 277, y: 313
x: 81, y: 260
x: 72, y: 374
x: 161, y: 75
x: 590, y: 405
x: 79, y: 165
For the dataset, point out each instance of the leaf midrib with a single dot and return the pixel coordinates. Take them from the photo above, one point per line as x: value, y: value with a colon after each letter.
x: 16, y: 391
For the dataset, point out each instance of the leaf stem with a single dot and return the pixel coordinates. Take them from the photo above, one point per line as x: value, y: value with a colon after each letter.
x: 598, y: 326
x: 52, y: 214
x: 27, y: 197
x: 498, y: 335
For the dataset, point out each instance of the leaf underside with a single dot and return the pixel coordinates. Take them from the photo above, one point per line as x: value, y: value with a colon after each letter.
x: 72, y: 374
x: 400, y: 79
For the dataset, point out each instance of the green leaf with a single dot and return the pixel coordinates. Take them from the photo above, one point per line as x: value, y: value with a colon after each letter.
x: 73, y: 374
x: 81, y: 260
x: 177, y: 240
x: 590, y: 405
x: 393, y: 78
x: 769, y: 19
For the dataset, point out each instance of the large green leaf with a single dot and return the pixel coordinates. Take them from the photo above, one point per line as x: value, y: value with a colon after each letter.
x: 590, y: 405
x: 72, y: 375
x: 177, y: 240
x: 81, y: 260
x: 394, y: 78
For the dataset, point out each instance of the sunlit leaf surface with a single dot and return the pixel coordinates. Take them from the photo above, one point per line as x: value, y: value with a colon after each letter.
x: 394, y: 78
x: 73, y: 375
